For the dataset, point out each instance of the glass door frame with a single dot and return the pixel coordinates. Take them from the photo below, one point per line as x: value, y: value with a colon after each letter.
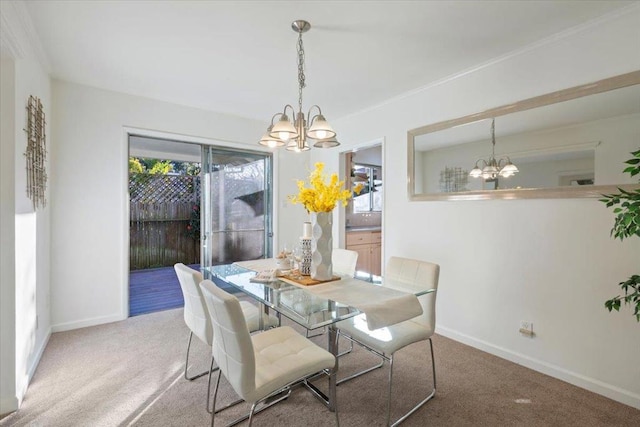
x: 208, y: 151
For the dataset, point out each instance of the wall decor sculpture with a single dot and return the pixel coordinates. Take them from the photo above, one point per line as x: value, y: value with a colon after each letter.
x: 453, y: 180
x: 36, y: 153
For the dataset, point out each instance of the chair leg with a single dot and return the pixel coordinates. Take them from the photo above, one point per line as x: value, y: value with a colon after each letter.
x: 186, y: 363
x: 389, y: 391
x: 425, y: 400
x: 357, y: 374
x: 267, y: 403
x: 253, y: 408
x: 211, y: 370
x: 433, y: 365
x: 213, y: 410
x: 215, y: 395
x: 347, y: 351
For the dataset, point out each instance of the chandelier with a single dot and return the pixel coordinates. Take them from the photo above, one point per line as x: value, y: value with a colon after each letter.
x: 294, y: 134
x: 493, y: 168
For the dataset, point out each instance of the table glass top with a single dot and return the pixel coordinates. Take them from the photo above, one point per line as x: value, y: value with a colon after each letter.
x: 295, y: 302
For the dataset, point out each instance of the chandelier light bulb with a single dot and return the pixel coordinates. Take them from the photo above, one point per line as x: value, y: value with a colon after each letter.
x: 322, y: 134
x: 284, y: 135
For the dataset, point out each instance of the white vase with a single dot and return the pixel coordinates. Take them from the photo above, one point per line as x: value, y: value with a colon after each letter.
x: 321, y: 245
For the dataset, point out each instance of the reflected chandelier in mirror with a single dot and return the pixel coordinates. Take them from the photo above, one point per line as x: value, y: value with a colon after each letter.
x: 570, y: 143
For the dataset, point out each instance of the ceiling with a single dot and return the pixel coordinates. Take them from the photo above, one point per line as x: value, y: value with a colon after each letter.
x: 239, y: 57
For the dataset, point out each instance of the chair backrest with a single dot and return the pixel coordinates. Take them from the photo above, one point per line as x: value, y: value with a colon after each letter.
x: 232, y: 347
x: 416, y: 275
x: 195, y: 310
x: 344, y: 261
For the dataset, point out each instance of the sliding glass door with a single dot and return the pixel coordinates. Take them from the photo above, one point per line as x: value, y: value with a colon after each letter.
x: 236, y: 218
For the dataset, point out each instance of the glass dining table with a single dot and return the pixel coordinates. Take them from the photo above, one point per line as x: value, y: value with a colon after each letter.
x: 297, y: 303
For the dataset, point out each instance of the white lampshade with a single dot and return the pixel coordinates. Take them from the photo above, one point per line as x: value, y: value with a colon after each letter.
x: 283, y: 129
x: 269, y: 141
x: 294, y: 146
x: 320, y: 128
x: 508, y: 170
x: 489, y: 171
x: 475, y: 172
x: 327, y: 143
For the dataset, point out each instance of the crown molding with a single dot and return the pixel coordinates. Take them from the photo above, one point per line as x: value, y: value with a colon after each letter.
x: 18, y: 34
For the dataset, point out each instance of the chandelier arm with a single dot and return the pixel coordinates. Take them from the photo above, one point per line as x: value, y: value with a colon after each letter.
x: 293, y: 111
x: 274, y: 116
x: 310, y: 118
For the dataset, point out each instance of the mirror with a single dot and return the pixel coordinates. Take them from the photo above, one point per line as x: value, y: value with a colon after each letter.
x: 570, y: 143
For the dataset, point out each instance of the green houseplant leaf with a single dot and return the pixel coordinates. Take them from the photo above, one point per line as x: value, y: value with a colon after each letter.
x: 626, y: 208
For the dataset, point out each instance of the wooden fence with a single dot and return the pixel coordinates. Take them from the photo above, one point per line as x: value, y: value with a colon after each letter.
x: 161, y: 209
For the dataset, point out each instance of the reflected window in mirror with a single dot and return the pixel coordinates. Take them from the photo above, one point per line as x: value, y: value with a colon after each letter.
x: 566, y: 144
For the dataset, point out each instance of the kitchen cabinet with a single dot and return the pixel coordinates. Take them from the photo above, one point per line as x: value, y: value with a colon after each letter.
x: 368, y: 245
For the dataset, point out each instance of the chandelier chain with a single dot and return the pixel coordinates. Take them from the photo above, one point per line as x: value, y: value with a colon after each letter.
x: 301, y: 76
x: 493, y: 138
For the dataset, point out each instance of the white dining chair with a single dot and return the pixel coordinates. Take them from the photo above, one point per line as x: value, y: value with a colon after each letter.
x: 261, y: 366
x: 411, y: 276
x: 197, y: 318
x: 344, y: 261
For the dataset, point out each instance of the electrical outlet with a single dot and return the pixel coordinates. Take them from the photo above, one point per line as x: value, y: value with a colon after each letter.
x: 526, y: 328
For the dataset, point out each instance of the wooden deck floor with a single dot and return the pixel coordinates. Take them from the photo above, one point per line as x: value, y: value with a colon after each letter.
x: 154, y: 289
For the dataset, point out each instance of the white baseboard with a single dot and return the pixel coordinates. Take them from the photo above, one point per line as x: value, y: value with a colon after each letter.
x: 61, y: 327
x: 612, y: 392
x: 11, y: 404
x: 38, y: 356
x: 32, y: 369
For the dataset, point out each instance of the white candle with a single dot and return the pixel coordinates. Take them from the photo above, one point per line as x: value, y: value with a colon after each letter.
x: 306, y: 230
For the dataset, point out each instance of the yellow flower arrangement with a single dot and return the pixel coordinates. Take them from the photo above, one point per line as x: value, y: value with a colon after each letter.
x: 321, y: 196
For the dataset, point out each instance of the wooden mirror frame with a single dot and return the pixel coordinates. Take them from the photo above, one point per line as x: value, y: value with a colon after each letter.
x: 617, y: 82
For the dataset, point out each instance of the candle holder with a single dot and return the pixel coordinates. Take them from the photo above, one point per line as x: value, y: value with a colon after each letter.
x: 305, y: 261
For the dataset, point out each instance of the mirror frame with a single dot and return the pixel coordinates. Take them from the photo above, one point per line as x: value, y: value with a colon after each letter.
x: 617, y: 82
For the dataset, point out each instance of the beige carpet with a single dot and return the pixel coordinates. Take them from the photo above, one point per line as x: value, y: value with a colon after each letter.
x: 130, y: 373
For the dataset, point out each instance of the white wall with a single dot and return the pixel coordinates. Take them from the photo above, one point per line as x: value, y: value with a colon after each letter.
x: 25, y: 232
x: 89, y: 274
x: 8, y: 399
x: 32, y: 233
x: 550, y: 262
